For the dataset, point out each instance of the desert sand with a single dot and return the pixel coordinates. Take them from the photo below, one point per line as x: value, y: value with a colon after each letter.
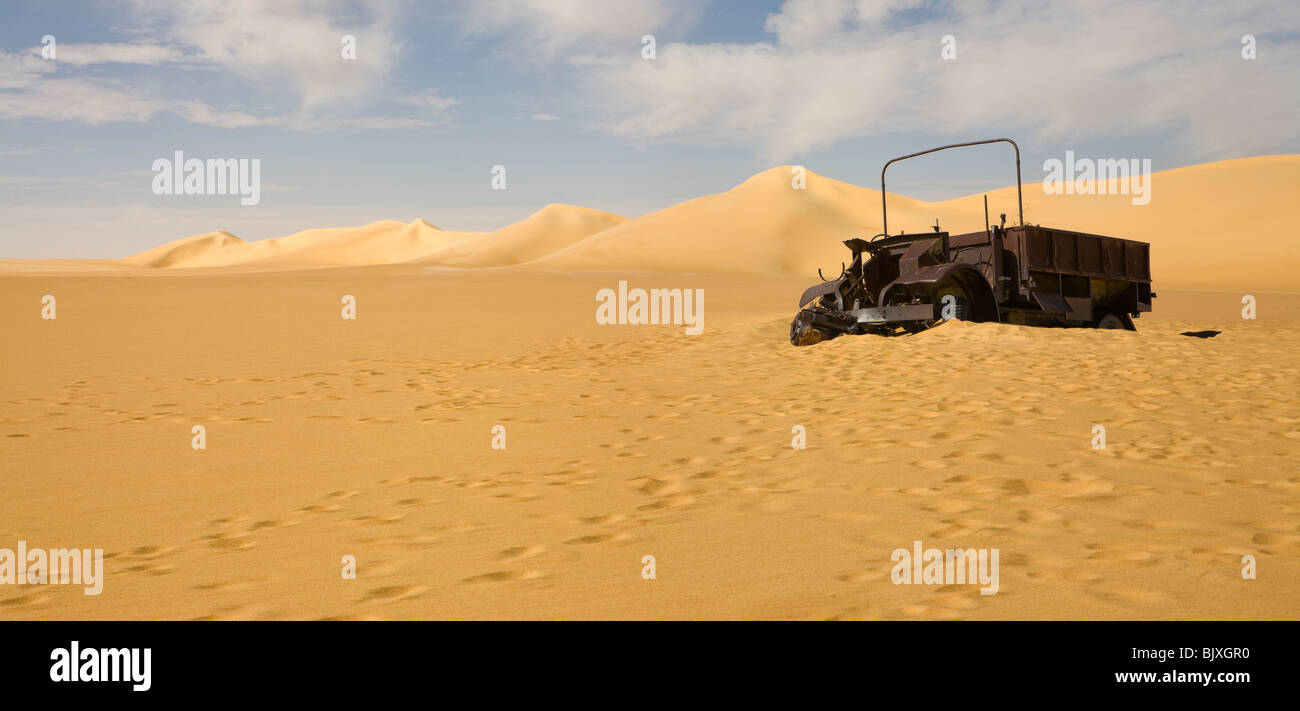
x: 372, y: 437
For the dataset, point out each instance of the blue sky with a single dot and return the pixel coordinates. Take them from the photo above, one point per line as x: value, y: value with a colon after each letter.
x: 559, y: 93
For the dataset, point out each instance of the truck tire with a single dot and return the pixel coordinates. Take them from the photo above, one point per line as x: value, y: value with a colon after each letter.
x: 1111, y: 321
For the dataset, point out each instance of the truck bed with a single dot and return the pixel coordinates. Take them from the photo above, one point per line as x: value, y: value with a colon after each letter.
x: 1046, y: 249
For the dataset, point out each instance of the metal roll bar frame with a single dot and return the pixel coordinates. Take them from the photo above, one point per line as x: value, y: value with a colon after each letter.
x: 884, y: 219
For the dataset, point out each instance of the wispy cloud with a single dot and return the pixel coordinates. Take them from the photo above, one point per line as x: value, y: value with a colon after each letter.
x: 80, y: 55
x: 552, y: 29
x: 838, y: 69
x: 288, y: 55
x: 289, y: 47
x: 33, y: 180
x: 86, y: 100
x: 435, y: 109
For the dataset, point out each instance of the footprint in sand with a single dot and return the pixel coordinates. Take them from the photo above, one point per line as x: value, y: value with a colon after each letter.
x: 1119, y: 553
x: 417, y: 501
x: 517, y: 496
x: 412, y: 480
x: 949, y: 507
x: 1276, y: 539
x: 521, y: 552
x: 152, y: 568
x: 714, y: 473
x: 229, y: 542
x: 658, y: 487
x: 393, y: 593
x: 28, y: 600
x: 223, y: 586
x: 504, y: 576
x: 148, y: 552
x: 597, y: 538
x: 343, y: 494
x: 234, y: 612
x: 319, y: 508
x: 667, y: 502
x: 862, y: 577
x: 271, y: 524
x: 916, y: 490
x: 1130, y: 596
x: 374, y: 520
x: 1071, y: 577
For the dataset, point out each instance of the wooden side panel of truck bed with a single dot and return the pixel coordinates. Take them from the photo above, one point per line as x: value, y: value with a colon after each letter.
x: 1043, y: 249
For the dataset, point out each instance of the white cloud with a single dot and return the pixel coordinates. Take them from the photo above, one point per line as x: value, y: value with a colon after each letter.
x: 437, y: 109
x: 289, y: 51
x: 196, y: 111
x: 115, y: 53
x: 544, y: 117
x: 802, y: 23
x: 842, y: 69
x: 201, y: 113
x: 33, y: 181
x: 361, y: 123
x: 38, y: 96
x: 551, y: 28
x: 92, y: 102
x: 18, y: 71
x: 291, y: 46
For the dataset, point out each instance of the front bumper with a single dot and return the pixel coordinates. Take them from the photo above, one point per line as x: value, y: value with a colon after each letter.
x: 894, y: 314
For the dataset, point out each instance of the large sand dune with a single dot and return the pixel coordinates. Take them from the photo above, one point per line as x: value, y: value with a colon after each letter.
x: 387, y: 242
x: 548, y: 230
x: 1226, y: 225
x: 1222, y: 226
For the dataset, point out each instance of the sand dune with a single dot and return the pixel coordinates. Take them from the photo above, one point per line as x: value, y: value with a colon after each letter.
x: 1225, y: 225
x: 199, y: 248
x: 378, y: 243
x: 545, y: 231
x: 1218, y: 226
x: 761, y: 226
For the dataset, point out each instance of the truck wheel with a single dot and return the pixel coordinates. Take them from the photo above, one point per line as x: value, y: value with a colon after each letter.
x: 973, y: 301
x: 1110, y: 321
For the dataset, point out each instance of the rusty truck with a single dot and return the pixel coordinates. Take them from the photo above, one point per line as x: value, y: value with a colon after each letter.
x: 1022, y: 274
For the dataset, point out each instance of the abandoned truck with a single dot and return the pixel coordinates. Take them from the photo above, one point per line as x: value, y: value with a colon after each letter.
x: 1024, y: 274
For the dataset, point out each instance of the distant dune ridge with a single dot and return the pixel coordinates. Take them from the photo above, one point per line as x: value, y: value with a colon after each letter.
x: 1223, y: 225
x: 387, y: 242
